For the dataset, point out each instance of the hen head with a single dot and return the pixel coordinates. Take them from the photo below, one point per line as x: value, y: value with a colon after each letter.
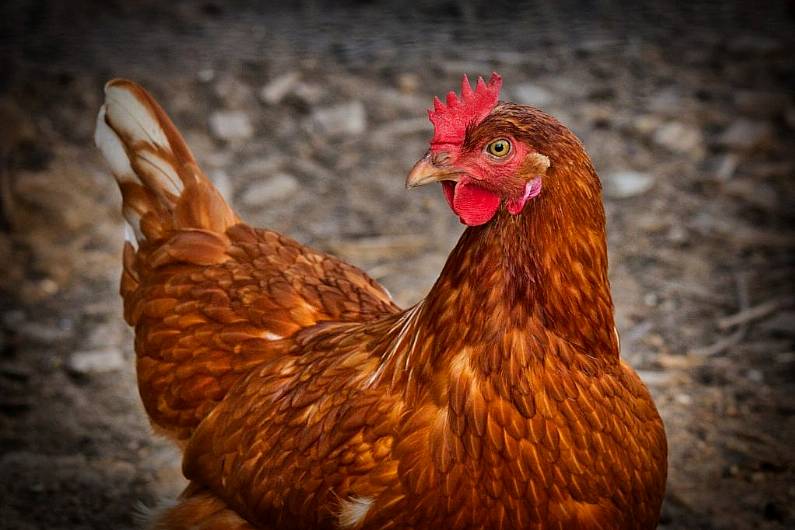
x: 488, y: 154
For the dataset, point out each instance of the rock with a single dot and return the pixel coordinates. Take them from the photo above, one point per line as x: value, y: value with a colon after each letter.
x: 96, y: 361
x: 747, y: 135
x: 651, y: 378
x: 309, y: 94
x: 680, y: 138
x: 231, y: 125
x: 726, y: 167
x: 274, y: 92
x: 233, y: 93
x: 45, y: 333
x: 408, y: 83
x: 627, y: 183
x: 105, y: 335
x: 276, y: 188
x: 205, y: 75
x: 532, y: 94
x: 345, y: 119
x: 677, y: 234
x: 646, y: 124
x: 667, y: 102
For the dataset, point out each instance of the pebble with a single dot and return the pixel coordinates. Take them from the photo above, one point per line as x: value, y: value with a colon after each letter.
x: 532, y: 94
x: 231, y: 125
x: 205, y: 75
x: 653, y: 378
x: 45, y: 333
x: 408, y: 83
x: 276, y: 188
x: 747, y: 135
x: 103, y: 335
x: 233, y: 92
x: 309, y: 94
x: 345, y: 119
x: 726, y: 167
x: 627, y: 183
x: 275, y: 91
x: 96, y: 361
x: 679, y: 137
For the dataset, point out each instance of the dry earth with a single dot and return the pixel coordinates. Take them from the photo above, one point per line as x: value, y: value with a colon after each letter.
x: 308, y: 119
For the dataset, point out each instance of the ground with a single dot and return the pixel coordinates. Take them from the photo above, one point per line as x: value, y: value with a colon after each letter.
x: 308, y: 118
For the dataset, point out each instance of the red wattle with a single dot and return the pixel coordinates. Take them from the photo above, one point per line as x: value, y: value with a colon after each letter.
x: 473, y: 204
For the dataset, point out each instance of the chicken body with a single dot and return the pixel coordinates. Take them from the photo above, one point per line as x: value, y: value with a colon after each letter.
x: 304, y: 398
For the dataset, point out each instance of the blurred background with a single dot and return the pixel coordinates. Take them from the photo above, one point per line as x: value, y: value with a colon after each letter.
x: 308, y: 115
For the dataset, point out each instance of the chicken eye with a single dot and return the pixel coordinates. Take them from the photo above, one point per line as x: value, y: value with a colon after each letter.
x: 499, y: 148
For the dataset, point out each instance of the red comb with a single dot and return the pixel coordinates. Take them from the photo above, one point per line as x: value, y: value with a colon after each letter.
x: 450, y: 121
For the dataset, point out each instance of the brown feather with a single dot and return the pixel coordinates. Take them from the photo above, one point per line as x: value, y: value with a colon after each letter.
x: 306, y: 399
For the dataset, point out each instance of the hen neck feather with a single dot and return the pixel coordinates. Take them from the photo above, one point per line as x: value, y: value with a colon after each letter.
x: 541, y: 272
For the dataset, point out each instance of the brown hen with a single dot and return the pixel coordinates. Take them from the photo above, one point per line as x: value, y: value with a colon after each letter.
x: 305, y: 398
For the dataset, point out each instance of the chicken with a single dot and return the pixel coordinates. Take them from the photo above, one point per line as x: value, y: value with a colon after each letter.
x: 303, y: 397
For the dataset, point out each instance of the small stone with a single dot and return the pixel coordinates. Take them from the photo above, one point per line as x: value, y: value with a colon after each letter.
x: 651, y: 378
x: 205, y: 75
x: 651, y: 299
x: 726, y: 167
x: 275, y: 91
x: 44, y: 333
x: 677, y: 234
x: 104, y: 335
x: 408, y: 83
x: 532, y: 94
x: 667, y: 102
x: 340, y: 120
x: 309, y: 94
x: 276, y: 188
x: 755, y: 375
x: 231, y: 125
x: 96, y: 361
x: 627, y: 183
x: 647, y: 123
x: 233, y: 92
x: 747, y: 135
x: 679, y: 138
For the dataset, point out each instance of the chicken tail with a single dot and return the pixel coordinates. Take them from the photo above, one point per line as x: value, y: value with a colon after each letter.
x: 162, y: 186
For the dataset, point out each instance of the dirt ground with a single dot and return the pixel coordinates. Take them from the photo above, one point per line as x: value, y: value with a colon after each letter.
x: 308, y: 118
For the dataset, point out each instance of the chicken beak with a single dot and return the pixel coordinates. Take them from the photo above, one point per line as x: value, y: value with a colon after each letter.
x: 426, y: 171
x: 423, y: 172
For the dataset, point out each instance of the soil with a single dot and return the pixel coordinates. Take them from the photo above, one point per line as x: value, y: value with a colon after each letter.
x: 687, y: 112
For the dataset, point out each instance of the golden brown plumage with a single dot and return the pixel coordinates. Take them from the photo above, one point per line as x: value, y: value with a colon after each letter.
x: 304, y: 398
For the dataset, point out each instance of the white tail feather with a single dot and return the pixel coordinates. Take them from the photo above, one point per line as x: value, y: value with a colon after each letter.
x: 112, y: 148
x: 132, y: 118
x: 154, y: 167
